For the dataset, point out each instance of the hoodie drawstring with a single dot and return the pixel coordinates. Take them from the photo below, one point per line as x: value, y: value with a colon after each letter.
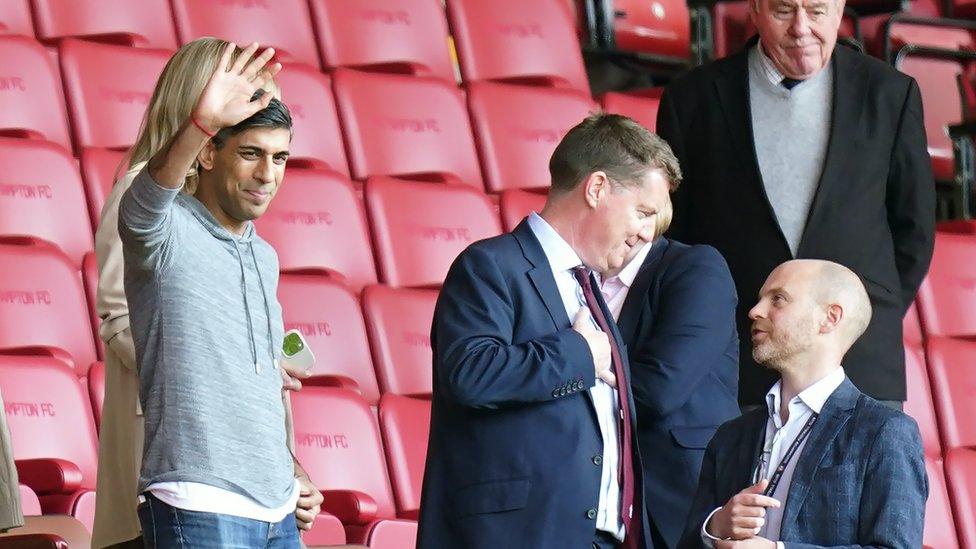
x: 267, y: 308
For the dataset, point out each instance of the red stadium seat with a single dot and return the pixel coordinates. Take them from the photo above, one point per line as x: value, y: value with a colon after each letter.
x: 518, y: 42
x: 939, y: 530
x: 99, y: 168
x: 146, y: 23
x: 316, y: 224
x: 329, y: 317
x: 50, y: 419
x: 901, y: 33
x: 89, y: 276
x: 42, y: 306
x: 326, y: 531
x: 15, y: 18
x: 30, y: 92
x: 518, y: 127
x: 107, y: 104
x: 961, y: 477
x: 402, y: 36
x: 405, y: 423
x: 940, y: 100
x: 419, y: 228
x: 912, y: 327
x: 517, y: 204
x: 338, y: 442
x: 952, y: 367
x: 29, y: 504
x: 41, y: 196
x: 284, y: 25
x: 317, y: 141
x: 47, y: 532
x: 642, y: 108
x: 947, y: 296
x: 406, y: 126
x: 661, y: 29
x: 398, y: 320
x: 957, y: 226
x: 919, y: 403
x: 96, y: 391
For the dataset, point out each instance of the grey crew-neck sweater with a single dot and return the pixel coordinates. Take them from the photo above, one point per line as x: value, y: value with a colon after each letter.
x: 791, y: 131
x: 204, y: 312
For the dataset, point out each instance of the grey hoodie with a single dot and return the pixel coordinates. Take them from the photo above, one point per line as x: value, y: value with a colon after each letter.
x: 207, y: 325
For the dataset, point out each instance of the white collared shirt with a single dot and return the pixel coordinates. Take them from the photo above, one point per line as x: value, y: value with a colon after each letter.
x: 616, y: 288
x: 768, y: 68
x: 779, y: 437
x: 562, y: 259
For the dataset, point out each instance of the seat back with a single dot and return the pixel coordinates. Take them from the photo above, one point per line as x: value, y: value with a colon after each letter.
x: 919, y: 404
x: 516, y: 204
x: 939, y: 525
x: 317, y: 141
x: 329, y: 317
x: 399, y: 320
x: 89, y: 278
x: 961, y: 477
x: 15, y: 18
x: 952, y: 367
x: 642, y: 108
x: 947, y: 297
x: 147, y: 23
x: 912, y: 327
x: 402, y: 36
x: 48, y: 413
x: 284, y: 25
x: 406, y: 126
x: 661, y: 29
x: 419, y: 228
x: 98, y: 171
x: 107, y: 105
x: 30, y: 91
x: 42, y: 305
x: 940, y: 101
x: 41, y: 196
x: 337, y: 441
x: 317, y: 225
x: 405, y: 424
x: 518, y: 127
x: 519, y: 42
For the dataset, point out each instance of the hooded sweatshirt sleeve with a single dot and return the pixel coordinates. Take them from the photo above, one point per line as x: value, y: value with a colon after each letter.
x: 147, y: 227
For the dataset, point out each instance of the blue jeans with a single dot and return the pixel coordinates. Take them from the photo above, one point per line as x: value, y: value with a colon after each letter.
x: 165, y: 527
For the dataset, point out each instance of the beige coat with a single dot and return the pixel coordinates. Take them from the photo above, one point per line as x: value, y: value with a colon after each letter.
x: 122, y: 430
x: 10, y: 514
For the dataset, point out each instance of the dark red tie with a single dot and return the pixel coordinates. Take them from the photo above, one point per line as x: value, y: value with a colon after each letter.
x: 625, y: 473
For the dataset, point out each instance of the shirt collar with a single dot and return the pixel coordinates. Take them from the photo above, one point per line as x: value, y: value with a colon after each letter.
x: 768, y: 68
x: 813, y: 397
x: 559, y: 253
x: 628, y: 274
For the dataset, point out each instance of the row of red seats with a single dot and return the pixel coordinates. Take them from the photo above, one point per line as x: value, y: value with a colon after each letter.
x: 498, y: 39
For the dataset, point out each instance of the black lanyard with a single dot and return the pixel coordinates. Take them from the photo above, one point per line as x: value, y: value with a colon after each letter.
x: 778, y: 474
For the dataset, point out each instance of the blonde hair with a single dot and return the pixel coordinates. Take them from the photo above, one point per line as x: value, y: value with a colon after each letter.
x: 177, y: 91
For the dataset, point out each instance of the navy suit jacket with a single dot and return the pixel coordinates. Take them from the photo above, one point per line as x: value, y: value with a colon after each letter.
x: 515, y: 452
x: 859, y: 481
x: 679, y: 324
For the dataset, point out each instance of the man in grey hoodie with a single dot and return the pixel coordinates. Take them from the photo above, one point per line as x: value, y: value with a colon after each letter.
x: 207, y: 326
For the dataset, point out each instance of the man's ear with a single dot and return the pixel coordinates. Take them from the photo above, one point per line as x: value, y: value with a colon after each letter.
x: 206, y: 156
x: 595, y: 188
x: 835, y: 313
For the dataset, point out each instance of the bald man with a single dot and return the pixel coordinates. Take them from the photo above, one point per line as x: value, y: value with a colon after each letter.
x: 822, y: 464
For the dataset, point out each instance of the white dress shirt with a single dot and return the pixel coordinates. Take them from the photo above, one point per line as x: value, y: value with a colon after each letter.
x: 562, y: 259
x: 778, y: 439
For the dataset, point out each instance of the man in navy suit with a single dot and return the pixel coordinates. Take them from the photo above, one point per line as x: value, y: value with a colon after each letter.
x: 675, y: 307
x: 822, y: 464
x: 532, y: 427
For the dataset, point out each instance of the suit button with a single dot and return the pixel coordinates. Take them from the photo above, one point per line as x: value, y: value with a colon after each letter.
x: 555, y: 393
x: 579, y: 385
x: 591, y: 514
x: 597, y: 460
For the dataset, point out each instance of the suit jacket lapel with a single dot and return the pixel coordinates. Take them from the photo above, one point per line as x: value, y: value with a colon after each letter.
x: 541, y: 274
x: 849, y: 98
x: 732, y: 89
x: 636, y: 302
x: 834, y: 415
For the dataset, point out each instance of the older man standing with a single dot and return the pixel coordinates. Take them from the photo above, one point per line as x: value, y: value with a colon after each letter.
x: 821, y: 465
x: 796, y: 149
